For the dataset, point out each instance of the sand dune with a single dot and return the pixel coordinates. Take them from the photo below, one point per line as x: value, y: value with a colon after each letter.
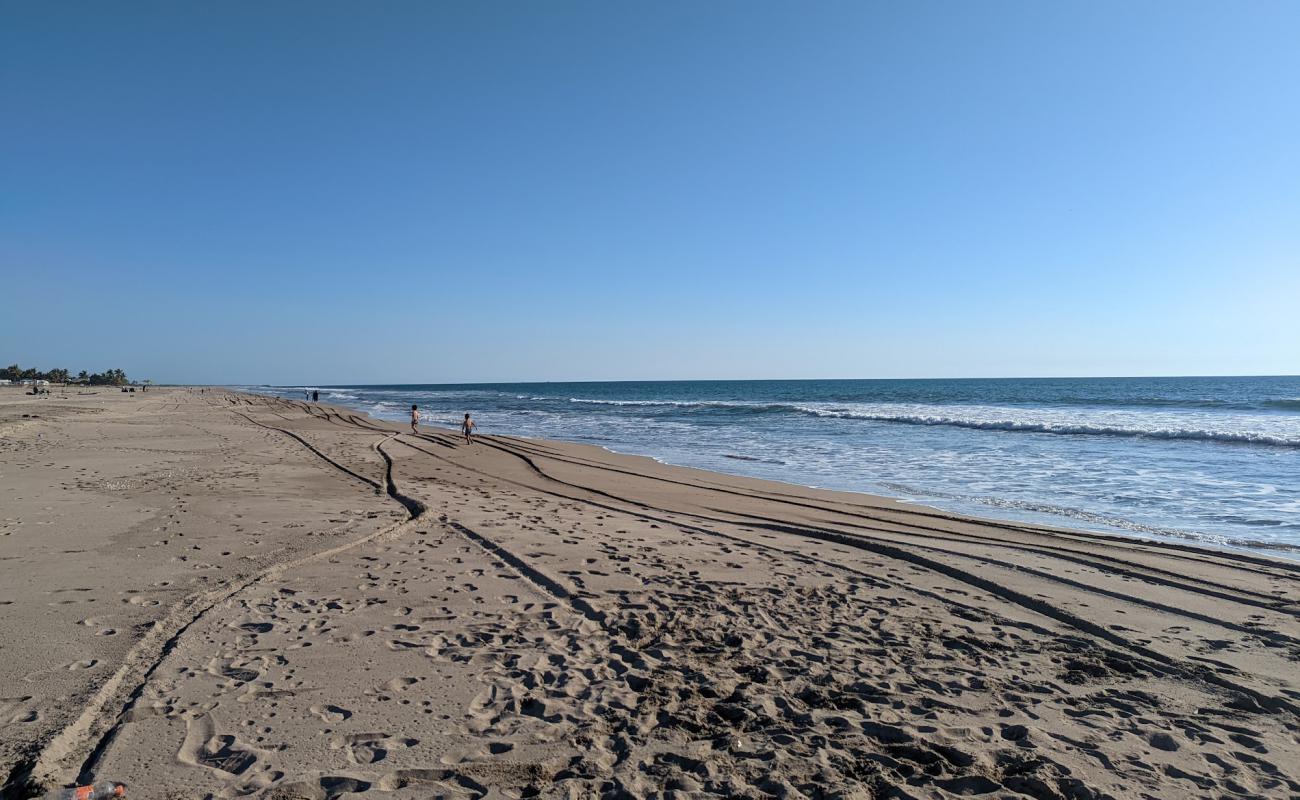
x: 305, y: 602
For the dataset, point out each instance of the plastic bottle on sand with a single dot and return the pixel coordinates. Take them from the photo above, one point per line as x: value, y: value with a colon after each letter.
x: 95, y: 791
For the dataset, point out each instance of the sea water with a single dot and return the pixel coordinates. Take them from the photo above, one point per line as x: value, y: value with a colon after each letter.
x: 1208, y: 460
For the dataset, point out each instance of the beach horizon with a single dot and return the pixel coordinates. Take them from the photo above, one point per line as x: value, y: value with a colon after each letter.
x: 298, y: 600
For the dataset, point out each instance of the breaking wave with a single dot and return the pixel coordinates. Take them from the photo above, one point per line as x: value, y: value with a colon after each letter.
x: 1280, y: 431
x: 1073, y: 428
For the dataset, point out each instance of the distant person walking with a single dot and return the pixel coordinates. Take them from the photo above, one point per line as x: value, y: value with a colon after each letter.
x: 467, y: 427
x: 315, y: 396
x: 415, y: 419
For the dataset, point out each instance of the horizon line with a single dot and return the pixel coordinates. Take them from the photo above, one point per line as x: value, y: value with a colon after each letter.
x: 737, y: 380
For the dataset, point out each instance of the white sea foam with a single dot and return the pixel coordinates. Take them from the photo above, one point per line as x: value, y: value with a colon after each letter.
x: 1236, y: 429
x: 682, y: 404
x: 1255, y: 429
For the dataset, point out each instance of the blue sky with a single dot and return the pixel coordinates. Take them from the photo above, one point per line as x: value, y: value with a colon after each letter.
x: 374, y: 192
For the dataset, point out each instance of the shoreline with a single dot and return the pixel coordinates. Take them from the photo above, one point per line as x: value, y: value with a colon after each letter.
x: 1174, y: 537
x: 1031, y: 517
x: 237, y: 594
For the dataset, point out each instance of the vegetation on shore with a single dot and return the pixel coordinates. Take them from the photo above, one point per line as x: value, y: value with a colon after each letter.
x: 112, y: 377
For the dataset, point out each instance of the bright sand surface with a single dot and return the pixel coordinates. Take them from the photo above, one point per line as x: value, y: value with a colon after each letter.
x: 217, y: 595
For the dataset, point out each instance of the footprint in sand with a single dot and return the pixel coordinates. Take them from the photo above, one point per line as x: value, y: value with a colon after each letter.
x: 13, y: 710
x: 370, y: 748
x: 204, y: 748
x: 476, y: 753
x: 403, y: 644
x: 331, y: 714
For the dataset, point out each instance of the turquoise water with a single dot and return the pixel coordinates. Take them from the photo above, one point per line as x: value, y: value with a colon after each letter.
x: 1212, y: 460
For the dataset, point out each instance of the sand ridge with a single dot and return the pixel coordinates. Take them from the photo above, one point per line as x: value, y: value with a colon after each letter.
x: 554, y: 620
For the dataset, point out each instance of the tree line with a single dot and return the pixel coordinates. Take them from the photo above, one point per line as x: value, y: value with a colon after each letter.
x: 112, y: 377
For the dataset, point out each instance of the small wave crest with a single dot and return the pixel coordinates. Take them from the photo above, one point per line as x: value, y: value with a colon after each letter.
x: 679, y: 403
x: 1069, y: 428
x: 1281, y: 404
x: 738, y: 457
x: 1185, y: 427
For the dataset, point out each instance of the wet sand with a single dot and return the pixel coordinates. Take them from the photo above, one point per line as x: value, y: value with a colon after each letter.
x: 219, y: 595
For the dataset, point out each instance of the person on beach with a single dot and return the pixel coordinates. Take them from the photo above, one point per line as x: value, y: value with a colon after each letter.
x: 467, y: 427
x: 315, y: 396
x: 415, y: 419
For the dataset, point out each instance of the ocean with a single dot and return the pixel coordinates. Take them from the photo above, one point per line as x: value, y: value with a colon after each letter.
x: 1215, y: 461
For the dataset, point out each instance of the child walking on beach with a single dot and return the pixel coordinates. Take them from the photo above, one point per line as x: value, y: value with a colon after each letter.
x: 415, y: 419
x: 467, y: 427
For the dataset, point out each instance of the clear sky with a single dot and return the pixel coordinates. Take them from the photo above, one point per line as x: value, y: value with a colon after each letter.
x: 352, y: 192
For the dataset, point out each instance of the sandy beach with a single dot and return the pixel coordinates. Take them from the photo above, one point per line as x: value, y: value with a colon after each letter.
x: 211, y: 594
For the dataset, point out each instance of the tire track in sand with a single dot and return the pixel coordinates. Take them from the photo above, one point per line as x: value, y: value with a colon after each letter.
x: 110, y: 706
x: 1061, y: 615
